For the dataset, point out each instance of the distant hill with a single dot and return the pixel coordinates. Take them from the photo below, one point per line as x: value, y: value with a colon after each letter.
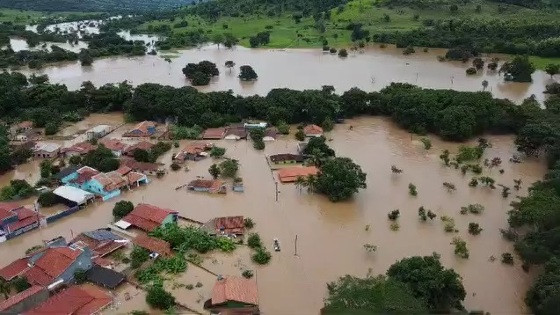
x: 94, y: 5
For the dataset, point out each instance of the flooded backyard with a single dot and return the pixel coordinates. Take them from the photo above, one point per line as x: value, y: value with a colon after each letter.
x: 330, y: 235
x: 371, y: 69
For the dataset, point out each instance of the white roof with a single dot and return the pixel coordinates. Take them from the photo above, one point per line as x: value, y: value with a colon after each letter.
x: 99, y: 128
x: 259, y: 125
x: 123, y: 224
x: 73, y: 194
x: 47, y: 147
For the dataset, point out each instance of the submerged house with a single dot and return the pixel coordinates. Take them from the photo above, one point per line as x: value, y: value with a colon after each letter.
x: 214, y: 133
x: 270, y: 134
x: 147, y: 217
x: 291, y: 174
x: 153, y: 245
x: 143, y: 129
x: 46, y: 150
x: 236, y: 133
x: 234, y: 225
x: 82, y: 299
x: 312, y: 131
x: 116, y: 146
x: 193, y: 152
x: 24, y: 300
x: 106, y: 185
x: 142, y: 145
x: 78, y: 149
x: 16, y: 220
x: 98, y: 131
x: 51, y: 266
x: 213, y: 186
x: 286, y: 158
x: 145, y: 168
x: 101, y: 242
x: 234, y: 295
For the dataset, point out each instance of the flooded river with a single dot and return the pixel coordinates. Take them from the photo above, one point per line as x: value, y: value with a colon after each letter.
x: 370, y: 70
x: 331, y: 235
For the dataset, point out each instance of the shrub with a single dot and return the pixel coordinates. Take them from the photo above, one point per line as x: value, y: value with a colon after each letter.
x: 158, y: 298
x: 175, y: 167
x: 343, y: 53
x: 20, y: 284
x: 461, y: 249
x: 472, y: 208
x: 254, y: 241
x: 248, y: 274
x: 217, y: 152
x: 412, y: 190
x: 122, y: 208
x: 474, y: 228
x: 471, y: 71
x: 138, y: 256
x: 507, y: 258
x: 300, y: 135
x: 393, y: 215
x: 80, y: 276
x: 248, y: 222
x: 47, y: 199
x: 261, y: 256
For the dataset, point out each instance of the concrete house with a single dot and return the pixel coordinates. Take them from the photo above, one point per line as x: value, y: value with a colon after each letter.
x: 270, y: 134
x: 214, y: 133
x: 212, y: 186
x: 16, y: 220
x: 291, y: 174
x: 313, y: 131
x: 24, y: 301
x: 78, y: 149
x: 101, y: 242
x: 148, y: 217
x: 82, y: 299
x: 142, y: 145
x: 236, y: 133
x: 286, y: 158
x: 46, y: 150
x: 115, y: 145
x: 98, y: 132
x: 193, y: 152
x: 225, y: 226
x: 51, y: 266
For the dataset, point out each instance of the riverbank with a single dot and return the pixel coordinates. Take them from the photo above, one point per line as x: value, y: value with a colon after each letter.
x: 336, y: 232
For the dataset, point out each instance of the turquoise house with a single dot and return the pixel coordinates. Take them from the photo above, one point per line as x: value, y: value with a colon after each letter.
x: 105, y: 185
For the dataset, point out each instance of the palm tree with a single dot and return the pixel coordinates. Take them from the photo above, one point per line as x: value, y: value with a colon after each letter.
x: 300, y: 183
x: 311, y: 183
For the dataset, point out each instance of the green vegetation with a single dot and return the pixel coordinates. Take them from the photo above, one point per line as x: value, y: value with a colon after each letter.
x: 138, y: 256
x: 93, y: 5
x: 20, y: 284
x: 254, y: 241
x: 158, y: 298
x: 47, y: 199
x: 474, y: 228
x: 122, y: 208
x: 412, y: 285
x: 229, y: 168
x: 247, y: 73
x: 412, y: 190
x: 80, y: 276
x: 200, y: 73
x: 183, y: 239
x: 18, y: 189
x: 217, y: 152
x: 339, y: 179
x: 461, y: 249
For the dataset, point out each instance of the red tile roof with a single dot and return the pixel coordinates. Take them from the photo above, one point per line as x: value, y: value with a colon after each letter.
x: 85, y: 173
x: 80, y: 148
x: 6, y: 209
x: 313, y: 130
x: 235, y: 289
x: 213, y: 185
x: 290, y: 174
x: 230, y: 225
x: 15, y: 299
x: 214, y: 133
x: 25, y: 217
x: 52, y: 264
x: 25, y: 124
x: 147, y: 217
x: 113, y: 144
x: 84, y: 299
x: 98, y: 248
x: 141, y: 129
x: 139, y: 166
x: 153, y: 244
x: 14, y: 269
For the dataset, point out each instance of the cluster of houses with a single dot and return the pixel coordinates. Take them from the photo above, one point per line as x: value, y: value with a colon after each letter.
x: 239, y: 132
x: 51, y: 269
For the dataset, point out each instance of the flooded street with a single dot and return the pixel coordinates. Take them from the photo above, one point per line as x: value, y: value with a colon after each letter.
x: 299, y: 69
x: 330, y: 235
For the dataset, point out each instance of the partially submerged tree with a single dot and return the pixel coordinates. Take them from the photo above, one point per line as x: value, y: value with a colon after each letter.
x: 340, y: 178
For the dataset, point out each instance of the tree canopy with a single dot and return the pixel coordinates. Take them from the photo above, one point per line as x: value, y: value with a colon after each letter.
x: 340, y: 178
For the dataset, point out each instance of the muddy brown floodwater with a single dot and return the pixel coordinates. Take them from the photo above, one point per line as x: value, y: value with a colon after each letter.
x: 331, y: 235
x: 300, y: 69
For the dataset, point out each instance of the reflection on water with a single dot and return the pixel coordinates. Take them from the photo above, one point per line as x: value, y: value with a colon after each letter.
x: 331, y: 236
x: 299, y: 69
x: 19, y: 44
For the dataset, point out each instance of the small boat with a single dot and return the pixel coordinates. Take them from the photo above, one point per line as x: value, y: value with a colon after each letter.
x: 276, y: 245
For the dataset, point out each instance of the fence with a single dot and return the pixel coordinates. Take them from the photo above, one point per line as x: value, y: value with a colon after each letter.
x: 63, y: 214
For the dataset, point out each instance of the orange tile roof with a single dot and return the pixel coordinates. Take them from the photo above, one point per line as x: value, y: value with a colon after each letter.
x: 113, y: 144
x: 84, y: 299
x: 290, y: 174
x: 147, y: 217
x: 80, y: 148
x: 143, y: 145
x: 15, y: 299
x: 52, y: 264
x: 6, y: 209
x: 214, y: 133
x: 230, y: 225
x: 235, y: 289
x: 312, y: 130
x: 153, y: 244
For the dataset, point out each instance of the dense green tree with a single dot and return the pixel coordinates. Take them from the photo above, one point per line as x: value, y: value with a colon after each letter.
x: 340, y: 178
x: 519, y: 69
x: 158, y: 298
x: 429, y: 281
x: 122, y: 208
x: 371, y: 295
x: 552, y: 69
x: 47, y: 199
x: 247, y: 73
x: 318, y: 144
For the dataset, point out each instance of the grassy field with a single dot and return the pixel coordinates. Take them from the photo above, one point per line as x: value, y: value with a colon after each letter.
x: 31, y: 17
x: 286, y: 33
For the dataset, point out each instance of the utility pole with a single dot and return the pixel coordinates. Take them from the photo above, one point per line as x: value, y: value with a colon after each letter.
x: 276, y: 184
x: 295, y: 246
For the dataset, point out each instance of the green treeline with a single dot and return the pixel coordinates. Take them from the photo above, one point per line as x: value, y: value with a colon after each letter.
x: 93, y: 5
